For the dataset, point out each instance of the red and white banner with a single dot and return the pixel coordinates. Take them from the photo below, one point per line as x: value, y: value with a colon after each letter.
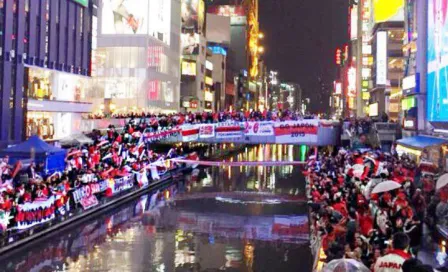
x: 226, y: 131
x: 206, y: 131
x: 258, y: 128
x: 303, y: 131
x: 190, y: 133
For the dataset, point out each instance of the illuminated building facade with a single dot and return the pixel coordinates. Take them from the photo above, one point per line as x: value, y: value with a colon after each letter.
x: 136, y: 56
x: 44, y: 67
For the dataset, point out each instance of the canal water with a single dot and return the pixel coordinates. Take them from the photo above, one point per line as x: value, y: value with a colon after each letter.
x: 215, y: 219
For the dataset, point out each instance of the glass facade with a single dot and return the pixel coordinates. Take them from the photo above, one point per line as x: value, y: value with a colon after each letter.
x: 136, y: 66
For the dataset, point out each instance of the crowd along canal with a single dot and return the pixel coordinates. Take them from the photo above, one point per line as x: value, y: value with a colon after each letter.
x: 215, y: 219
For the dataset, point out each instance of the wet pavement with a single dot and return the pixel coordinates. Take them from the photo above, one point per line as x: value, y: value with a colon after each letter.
x: 216, y: 219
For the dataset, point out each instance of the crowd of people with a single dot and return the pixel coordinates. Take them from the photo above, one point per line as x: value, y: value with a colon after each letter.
x: 211, y: 117
x: 383, y: 229
x: 112, y: 155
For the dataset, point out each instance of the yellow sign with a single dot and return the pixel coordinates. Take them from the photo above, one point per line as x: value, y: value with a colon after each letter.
x: 365, y: 96
x: 388, y: 10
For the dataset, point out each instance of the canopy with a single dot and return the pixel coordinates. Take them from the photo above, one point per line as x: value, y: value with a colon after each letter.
x: 75, y: 140
x: 421, y: 142
x: 36, y: 149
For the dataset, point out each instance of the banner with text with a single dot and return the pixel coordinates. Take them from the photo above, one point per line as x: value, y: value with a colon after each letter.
x: 228, y: 130
x: 258, y: 128
x: 206, y: 131
x: 303, y: 131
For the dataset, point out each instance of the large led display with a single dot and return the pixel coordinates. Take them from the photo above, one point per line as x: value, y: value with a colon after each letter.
x: 437, y: 99
x: 189, y: 43
x: 192, y: 14
x: 124, y: 17
x: 381, y: 58
x: 388, y: 10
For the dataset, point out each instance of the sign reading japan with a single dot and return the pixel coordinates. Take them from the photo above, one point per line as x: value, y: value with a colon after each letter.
x: 304, y: 131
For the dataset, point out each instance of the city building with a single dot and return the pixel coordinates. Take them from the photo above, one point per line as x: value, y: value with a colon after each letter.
x: 136, y: 56
x: 388, y: 62
x: 195, y: 92
x: 45, y: 65
x: 218, y: 41
x: 244, y: 50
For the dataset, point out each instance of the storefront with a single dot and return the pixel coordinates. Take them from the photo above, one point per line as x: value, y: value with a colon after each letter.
x: 56, y: 101
x: 424, y: 147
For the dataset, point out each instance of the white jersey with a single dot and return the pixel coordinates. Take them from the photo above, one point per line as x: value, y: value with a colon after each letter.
x: 392, y: 262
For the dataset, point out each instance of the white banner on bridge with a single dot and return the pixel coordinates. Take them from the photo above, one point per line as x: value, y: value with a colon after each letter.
x: 265, y: 128
x: 303, y: 131
x: 230, y: 130
x: 206, y: 131
x: 190, y: 133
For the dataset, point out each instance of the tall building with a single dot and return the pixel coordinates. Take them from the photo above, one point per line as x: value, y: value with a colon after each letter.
x: 136, y: 57
x: 195, y: 92
x: 387, y: 44
x: 44, y: 67
x: 244, y: 49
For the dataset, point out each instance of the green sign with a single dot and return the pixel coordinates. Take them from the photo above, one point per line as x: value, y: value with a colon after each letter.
x: 84, y: 3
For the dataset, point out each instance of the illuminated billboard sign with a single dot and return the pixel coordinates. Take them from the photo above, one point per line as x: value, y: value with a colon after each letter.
x: 354, y: 22
x: 227, y: 10
x: 351, y: 79
x: 388, y: 10
x: 192, y: 15
x: 381, y: 58
x: 337, y: 87
x: 124, y: 17
x: 437, y: 55
x: 84, y: 3
x: 190, y: 43
x: 188, y: 68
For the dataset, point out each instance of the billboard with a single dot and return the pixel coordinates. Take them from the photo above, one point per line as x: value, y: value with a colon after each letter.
x: 227, y: 10
x: 124, y: 17
x: 190, y: 43
x: 354, y: 22
x: 218, y: 29
x: 84, y: 3
x: 437, y: 100
x: 388, y: 10
x: 381, y: 58
x: 192, y: 15
x: 160, y: 20
x: 188, y: 68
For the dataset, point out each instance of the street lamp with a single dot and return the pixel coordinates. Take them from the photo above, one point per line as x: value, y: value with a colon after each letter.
x: 261, y: 49
x: 260, y: 35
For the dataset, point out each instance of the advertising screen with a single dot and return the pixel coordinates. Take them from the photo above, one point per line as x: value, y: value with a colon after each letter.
x: 192, y: 14
x: 124, y: 17
x: 190, y: 43
x: 188, y: 68
x: 381, y: 58
x: 84, y: 3
x: 160, y: 20
x: 354, y: 22
x: 388, y: 10
x: 437, y: 100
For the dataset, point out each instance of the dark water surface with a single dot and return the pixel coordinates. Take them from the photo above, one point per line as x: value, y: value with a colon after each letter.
x: 217, y: 219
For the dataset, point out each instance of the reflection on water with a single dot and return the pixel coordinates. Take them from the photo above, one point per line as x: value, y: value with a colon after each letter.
x: 217, y: 219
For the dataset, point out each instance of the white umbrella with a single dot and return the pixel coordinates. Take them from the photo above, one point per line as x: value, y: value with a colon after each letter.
x: 442, y: 182
x: 345, y: 265
x: 386, y: 186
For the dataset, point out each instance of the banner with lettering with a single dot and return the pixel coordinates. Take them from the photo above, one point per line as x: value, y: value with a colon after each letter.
x: 85, y: 195
x: 265, y: 128
x: 121, y: 184
x: 190, y: 133
x: 150, y: 137
x: 228, y: 130
x: 303, y: 131
x: 206, y: 131
x: 36, y: 212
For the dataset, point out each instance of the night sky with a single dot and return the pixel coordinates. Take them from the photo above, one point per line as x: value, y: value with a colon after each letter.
x: 300, y: 40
